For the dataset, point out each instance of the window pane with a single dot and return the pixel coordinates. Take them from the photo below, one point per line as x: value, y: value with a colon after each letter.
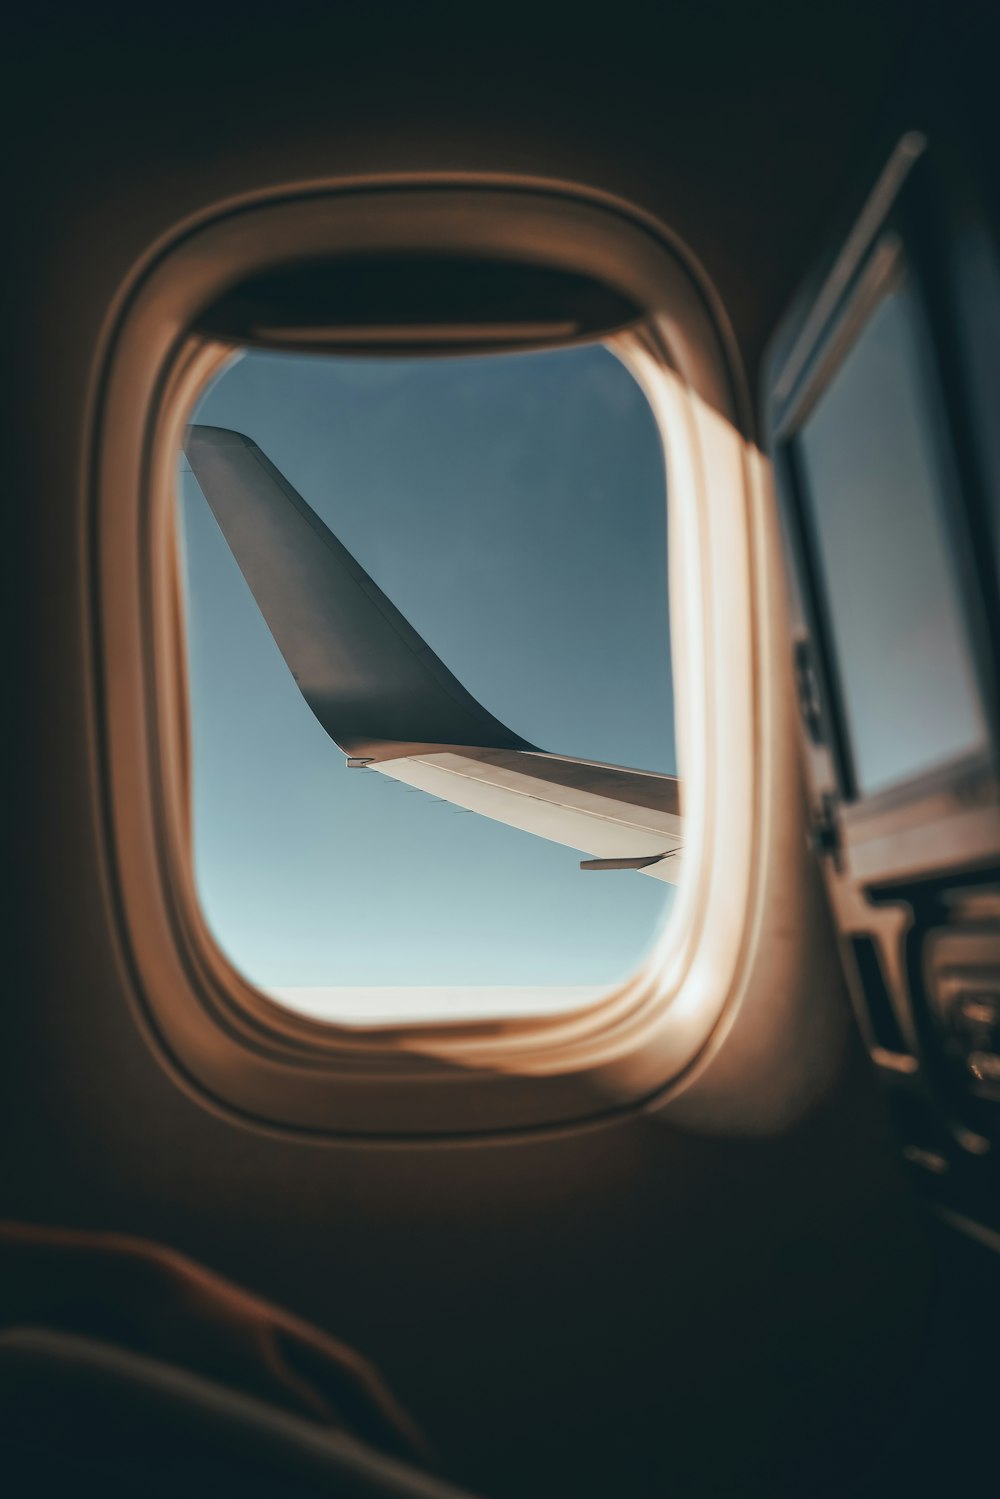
x: 513, y: 509
x: 878, y: 509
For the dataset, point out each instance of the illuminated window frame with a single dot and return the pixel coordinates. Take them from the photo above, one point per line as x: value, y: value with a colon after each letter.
x: 225, y: 1040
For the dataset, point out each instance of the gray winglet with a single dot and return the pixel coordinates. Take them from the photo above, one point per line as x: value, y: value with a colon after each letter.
x: 372, y: 682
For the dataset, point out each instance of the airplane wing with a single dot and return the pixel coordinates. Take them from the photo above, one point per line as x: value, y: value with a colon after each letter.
x: 390, y: 703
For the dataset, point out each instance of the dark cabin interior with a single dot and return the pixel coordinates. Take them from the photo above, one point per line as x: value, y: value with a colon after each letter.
x: 654, y: 1300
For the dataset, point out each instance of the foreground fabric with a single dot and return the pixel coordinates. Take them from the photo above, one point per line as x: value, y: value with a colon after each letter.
x: 151, y: 1301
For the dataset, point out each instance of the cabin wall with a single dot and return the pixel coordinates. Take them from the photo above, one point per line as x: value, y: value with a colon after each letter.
x: 646, y: 1284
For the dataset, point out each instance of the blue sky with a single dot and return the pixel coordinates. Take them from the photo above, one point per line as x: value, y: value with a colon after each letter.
x: 514, y: 510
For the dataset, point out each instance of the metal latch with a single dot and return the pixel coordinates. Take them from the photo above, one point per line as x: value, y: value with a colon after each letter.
x: 807, y: 689
x: 825, y: 830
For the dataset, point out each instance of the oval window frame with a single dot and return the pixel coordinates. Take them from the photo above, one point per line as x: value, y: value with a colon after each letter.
x: 225, y: 1041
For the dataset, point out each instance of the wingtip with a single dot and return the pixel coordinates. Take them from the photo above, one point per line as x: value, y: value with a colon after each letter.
x: 199, y: 434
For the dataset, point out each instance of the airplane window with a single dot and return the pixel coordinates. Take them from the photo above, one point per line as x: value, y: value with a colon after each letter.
x: 875, y: 490
x: 429, y: 668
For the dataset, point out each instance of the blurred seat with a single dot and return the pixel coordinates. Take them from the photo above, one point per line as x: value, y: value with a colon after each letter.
x: 81, y: 1416
x: 128, y: 1364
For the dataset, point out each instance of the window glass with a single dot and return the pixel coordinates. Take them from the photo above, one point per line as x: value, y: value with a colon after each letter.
x: 875, y: 492
x: 513, y: 509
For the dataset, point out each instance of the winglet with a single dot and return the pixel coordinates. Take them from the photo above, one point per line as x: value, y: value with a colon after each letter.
x: 370, y: 679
